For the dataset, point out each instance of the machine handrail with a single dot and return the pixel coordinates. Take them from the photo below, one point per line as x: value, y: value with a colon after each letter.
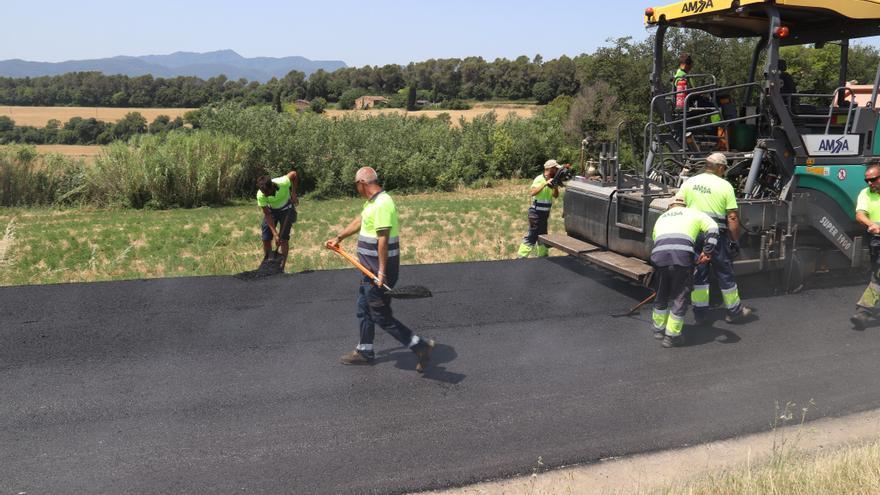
x: 836, y: 93
x: 672, y: 93
x: 695, y: 76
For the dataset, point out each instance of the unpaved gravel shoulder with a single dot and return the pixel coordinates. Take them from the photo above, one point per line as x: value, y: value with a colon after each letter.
x: 643, y: 472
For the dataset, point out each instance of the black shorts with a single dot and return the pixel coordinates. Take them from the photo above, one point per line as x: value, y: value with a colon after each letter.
x: 279, y: 217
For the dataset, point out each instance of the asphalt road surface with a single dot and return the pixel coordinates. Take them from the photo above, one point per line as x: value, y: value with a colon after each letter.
x: 216, y: 385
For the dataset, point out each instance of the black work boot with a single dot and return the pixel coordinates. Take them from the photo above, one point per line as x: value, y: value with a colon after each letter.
x: 860, y: 320
x: 670, y: 341
x: 739, y: 318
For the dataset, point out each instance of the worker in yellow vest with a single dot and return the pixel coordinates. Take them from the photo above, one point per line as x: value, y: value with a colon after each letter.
x: 710, y: 193
x: 378, y: 248
x: 542, y: 191
x: 278, y: 201
x: 868, y: 214
x: 673, y: 256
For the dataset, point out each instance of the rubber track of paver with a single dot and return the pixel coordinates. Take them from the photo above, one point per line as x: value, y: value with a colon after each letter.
x: 216, y: 385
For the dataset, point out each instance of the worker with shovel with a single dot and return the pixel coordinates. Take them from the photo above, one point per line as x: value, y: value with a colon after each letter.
x: 278, y: 201
x: 378, y: 249
x: 675, y: 237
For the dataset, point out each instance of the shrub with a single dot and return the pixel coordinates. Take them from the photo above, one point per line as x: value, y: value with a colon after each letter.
x: 29, y: 179
x: 177, y: 170
x: 318, y: 105
x: 455, y: 105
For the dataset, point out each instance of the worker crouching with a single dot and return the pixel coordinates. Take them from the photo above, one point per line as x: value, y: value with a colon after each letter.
x: 675, y: 237
x: 711, y: 194
x: 543, y: 190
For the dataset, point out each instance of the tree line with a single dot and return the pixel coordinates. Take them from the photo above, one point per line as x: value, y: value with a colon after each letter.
x: 436, y: 79
x: 80, y: 130
x: 623, y: 63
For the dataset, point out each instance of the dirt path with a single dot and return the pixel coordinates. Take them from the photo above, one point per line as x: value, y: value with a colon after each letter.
x: 644, y: 472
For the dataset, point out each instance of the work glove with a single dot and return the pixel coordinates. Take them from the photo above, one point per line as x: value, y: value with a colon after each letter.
x: 733, y: 249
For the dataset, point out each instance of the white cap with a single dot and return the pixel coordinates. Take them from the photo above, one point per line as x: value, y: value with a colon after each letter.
x: 717, y: 159
x: 551, y: 164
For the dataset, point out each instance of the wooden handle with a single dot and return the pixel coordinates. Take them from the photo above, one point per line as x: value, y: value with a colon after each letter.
x: 351, y: 259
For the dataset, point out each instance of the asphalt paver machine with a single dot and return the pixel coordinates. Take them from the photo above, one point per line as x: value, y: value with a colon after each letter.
x: 796, y: 161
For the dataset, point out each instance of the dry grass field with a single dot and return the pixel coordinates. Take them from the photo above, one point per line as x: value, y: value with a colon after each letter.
x: 75, y: 151
x: 87, y: 153
x: 39, y: 116
x: 502, y: 110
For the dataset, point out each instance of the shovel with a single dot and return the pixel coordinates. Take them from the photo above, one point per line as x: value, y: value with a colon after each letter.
x: 406, y: 292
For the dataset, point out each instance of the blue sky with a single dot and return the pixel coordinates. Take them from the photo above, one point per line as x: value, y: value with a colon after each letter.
x: 359, y: 33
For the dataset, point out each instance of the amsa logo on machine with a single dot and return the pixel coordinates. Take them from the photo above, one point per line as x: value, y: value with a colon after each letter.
x: 832, y: 144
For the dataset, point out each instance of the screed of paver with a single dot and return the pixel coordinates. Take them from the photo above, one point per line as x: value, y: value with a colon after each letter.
x: 649, y: 471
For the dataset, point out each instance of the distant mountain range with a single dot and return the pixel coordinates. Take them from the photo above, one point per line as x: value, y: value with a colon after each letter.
x: 202, y: 65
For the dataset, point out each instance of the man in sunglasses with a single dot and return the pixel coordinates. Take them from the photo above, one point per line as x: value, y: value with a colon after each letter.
x: 868, y: 214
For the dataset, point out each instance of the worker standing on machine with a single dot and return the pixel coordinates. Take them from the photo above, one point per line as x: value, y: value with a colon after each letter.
x: 868, y: 214
x: 542, y: 191
x: 710, y: 193
x: 675, y: 237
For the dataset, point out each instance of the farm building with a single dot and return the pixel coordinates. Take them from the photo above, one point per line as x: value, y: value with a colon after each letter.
x: 365, y: 102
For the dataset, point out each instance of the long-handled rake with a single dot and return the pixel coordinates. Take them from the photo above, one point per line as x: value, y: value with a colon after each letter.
x: 405, y: 292
x: 636, y: 307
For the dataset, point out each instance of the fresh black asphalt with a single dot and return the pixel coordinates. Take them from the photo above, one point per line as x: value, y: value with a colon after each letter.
x: 217, y: 385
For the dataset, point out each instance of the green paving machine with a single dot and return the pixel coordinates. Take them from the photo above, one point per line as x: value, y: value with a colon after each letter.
x: 796, y: 160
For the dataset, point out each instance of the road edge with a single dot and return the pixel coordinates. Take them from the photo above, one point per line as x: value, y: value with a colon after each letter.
x: 657, y: 469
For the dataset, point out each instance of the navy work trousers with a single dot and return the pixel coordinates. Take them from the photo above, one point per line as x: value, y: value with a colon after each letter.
x: 374, y: 308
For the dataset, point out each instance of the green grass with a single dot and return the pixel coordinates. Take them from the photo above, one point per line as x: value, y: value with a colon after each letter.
x: 47, y: 245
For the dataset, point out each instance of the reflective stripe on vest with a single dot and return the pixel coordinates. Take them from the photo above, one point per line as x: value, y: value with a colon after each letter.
x: 542, y: 205
x: 369, y: 246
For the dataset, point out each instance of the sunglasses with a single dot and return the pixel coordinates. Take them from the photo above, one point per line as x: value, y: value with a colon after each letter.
x: 871, y: 179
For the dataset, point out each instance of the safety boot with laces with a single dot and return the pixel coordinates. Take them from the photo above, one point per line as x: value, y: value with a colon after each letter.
x: 355, y: 357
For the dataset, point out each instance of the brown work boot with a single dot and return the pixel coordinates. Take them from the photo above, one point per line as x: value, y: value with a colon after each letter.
x: 355, y: 357
x: 424, y: 355
x: 860, y: 320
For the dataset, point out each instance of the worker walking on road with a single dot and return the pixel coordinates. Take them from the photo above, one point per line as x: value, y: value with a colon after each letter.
x: 711, y: 194
x: 542, y: 191
x: 868, y: 214
x: 378, y: 249
x: 277, y: 200
x: 675, y: 237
